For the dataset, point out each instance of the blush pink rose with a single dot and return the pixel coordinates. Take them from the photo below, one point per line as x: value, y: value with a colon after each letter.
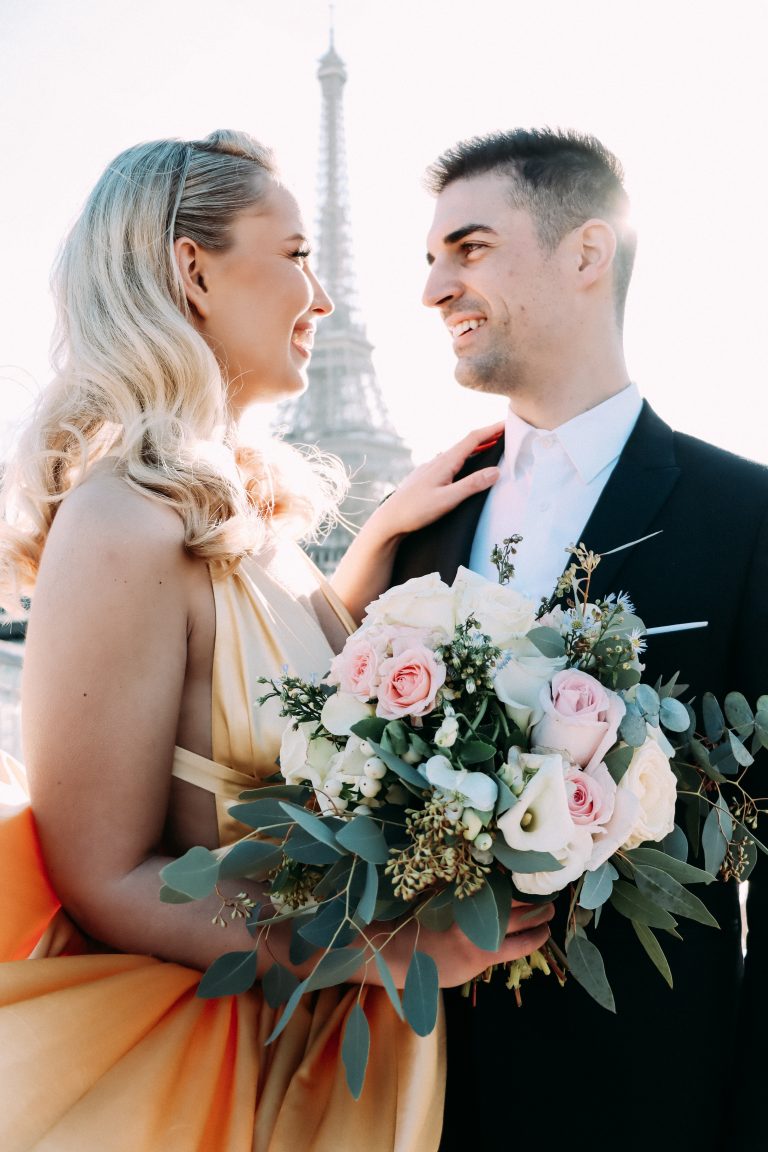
x: 409, y: 683
x: 590, y: 802
x: 581, y: 717
x: 356, y: 668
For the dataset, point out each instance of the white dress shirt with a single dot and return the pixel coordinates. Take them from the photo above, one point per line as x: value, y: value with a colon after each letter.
x: 549, y: 485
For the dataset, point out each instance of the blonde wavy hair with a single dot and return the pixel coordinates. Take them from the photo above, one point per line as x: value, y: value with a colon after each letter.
x: 135, y: 380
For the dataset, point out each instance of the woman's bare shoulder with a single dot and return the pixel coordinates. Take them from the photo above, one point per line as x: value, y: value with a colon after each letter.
x: 107, y: 504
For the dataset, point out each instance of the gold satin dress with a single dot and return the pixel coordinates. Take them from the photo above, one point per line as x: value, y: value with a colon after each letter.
x: 107, y: 1052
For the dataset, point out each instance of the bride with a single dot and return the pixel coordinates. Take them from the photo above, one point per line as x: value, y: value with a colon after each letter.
x: 167, y: 579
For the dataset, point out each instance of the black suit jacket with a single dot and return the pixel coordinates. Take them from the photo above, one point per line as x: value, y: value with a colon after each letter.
x: 672, y: 1069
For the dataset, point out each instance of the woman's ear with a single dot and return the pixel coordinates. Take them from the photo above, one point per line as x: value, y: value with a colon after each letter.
x: 596, y: 248
x: 190, y: 259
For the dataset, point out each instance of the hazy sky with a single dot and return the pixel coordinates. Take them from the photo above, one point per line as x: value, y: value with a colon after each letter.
x: 677, y: 88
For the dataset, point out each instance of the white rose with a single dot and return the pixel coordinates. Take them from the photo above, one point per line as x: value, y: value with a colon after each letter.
x: 304, y: 759
x: 424, y: 602
x: 650, y: 778
x: 519, y: 681
x: 341, y: 711
x: 540, y: 820
x: 501, y: 612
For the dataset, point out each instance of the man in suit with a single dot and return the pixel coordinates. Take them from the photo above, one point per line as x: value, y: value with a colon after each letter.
x: 530, y: 257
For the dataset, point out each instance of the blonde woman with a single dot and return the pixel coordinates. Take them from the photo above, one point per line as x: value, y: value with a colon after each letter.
x: 166, y: 579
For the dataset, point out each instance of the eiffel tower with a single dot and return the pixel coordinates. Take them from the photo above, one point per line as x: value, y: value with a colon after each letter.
x: 343, y: 410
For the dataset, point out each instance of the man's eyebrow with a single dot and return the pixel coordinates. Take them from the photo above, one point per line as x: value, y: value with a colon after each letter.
x: 454, y: 237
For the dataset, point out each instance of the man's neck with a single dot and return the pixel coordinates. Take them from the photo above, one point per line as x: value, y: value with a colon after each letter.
x: 557, y: 397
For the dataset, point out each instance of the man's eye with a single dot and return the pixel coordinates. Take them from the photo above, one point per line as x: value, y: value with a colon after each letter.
x: 471, y: 246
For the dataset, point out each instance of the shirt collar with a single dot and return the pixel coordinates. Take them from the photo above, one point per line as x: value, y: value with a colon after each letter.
x: 592, y: 440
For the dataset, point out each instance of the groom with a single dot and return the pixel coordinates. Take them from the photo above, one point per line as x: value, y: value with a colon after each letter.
x: 530, y: 255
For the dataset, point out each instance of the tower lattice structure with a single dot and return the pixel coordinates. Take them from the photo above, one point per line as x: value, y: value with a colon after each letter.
x: 343, y: 411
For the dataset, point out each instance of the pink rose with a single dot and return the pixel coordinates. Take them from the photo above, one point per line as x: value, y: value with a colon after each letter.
x: 356, y: 668
x: 409, y: 683
x: 581, y: 718
x: 590, y: 802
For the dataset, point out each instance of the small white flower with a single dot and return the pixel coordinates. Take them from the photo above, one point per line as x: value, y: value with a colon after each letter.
x: 446, y: 735
x: 471, y: 788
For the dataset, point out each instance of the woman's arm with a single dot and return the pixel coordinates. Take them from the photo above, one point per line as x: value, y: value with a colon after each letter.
x: 425, y: 495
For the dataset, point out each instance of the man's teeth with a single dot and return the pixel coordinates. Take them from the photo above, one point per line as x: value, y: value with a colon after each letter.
x: 466, y: 326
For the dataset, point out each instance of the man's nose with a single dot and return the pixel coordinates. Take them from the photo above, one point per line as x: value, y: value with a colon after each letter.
x: 441, y: 287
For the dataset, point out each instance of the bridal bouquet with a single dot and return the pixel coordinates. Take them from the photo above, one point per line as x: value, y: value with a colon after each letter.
x: 468, y: 748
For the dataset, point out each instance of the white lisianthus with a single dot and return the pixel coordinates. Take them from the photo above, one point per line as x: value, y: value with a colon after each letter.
x: 650, y: 778
x: 473, y: 823
x: 501, y: 612
x: 540, y: 821
x: 520, y: 678
x: 473, y: 789
x: 304, y: 759
x: 341, y: 711
x: 446, y: 735
x: 424, y: 602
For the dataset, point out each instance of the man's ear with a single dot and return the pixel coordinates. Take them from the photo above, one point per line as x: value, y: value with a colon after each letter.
x: 595, y: 249
x: 190, y: 258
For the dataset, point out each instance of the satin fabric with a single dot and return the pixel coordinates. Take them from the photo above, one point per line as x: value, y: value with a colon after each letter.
x: 104, y: 1052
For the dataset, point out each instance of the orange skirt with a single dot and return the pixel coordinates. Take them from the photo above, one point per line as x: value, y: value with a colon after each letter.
x: 104, y: 1052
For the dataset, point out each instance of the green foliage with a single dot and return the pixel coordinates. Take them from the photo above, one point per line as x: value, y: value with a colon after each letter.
x: 278, y: 985
x: 363, y: 836
x: 229, y: 975
x: 421, y: 994
x: 355, y: 1047
x: 194, y: 874
x: 586, y: 965
x: 549, y: 642
x: 597, y: 886
x: 477, y: 916
x: 654, y: 949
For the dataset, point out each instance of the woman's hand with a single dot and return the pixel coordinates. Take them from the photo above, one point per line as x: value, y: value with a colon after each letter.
x: 426, y: 494
x: 456, y: 957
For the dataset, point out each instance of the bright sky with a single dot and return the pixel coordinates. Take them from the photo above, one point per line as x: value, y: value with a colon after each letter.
x: 678, y: 90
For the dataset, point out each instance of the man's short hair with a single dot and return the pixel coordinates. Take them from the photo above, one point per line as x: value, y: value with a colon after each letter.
x: 562, y: 178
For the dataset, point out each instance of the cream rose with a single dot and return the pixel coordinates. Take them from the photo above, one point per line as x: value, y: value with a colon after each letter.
x: 304, y: 759
x: 581, y: 717
x: 519, y: 681
x: 501, y: 612
x: 424, y: 602
x: 572, y: 857
x: 409, y: 683
x: 341, y: 711
x: 651, y: 780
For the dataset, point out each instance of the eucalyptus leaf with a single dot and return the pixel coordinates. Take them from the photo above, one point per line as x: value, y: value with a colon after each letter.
x: 501, y: 887
x: 506, y: 797
x: 548, y: 641
x: 597, y: 886
x: 475, y: 752
x: 278, y: 985
x: 334, y: 968
x: 738, y: 713
x: 252, y: 858
x: 312, y: 824
x: 395, y: 737
x: 632, y: 730
x: 194, y: 874
x: 363, y: 836
x: 517, y: 861
x: 654, y: 949
x: 327, y: 928
x: 674, y: 716
x: 626, y: 899
x: 670, y: 894
x: 715, y: 836
x: 264, y: 815
x: 587, y: 967
x: 618, y: 761
x: 437, y: 913
x: 478, y: 918
x: 300, y: 950
x: 355, y: 1047
x: 228, y: 975
x: 305, y: 848
x: 296, y: 793
x: 740, y: 753
x: 371, y: 728
x: 388, y: 983
x: 675, y: 844
x: 421, y: 993
x: 288, y: 1011
x: 673, y: 866
x: 647, y: 701
x: 335, y: 879
x: 714, y: 722
x: 367, y: 905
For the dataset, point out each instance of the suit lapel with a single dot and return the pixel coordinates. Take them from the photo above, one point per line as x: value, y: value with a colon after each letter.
x: 460, y: 525
x: 639, y: 485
